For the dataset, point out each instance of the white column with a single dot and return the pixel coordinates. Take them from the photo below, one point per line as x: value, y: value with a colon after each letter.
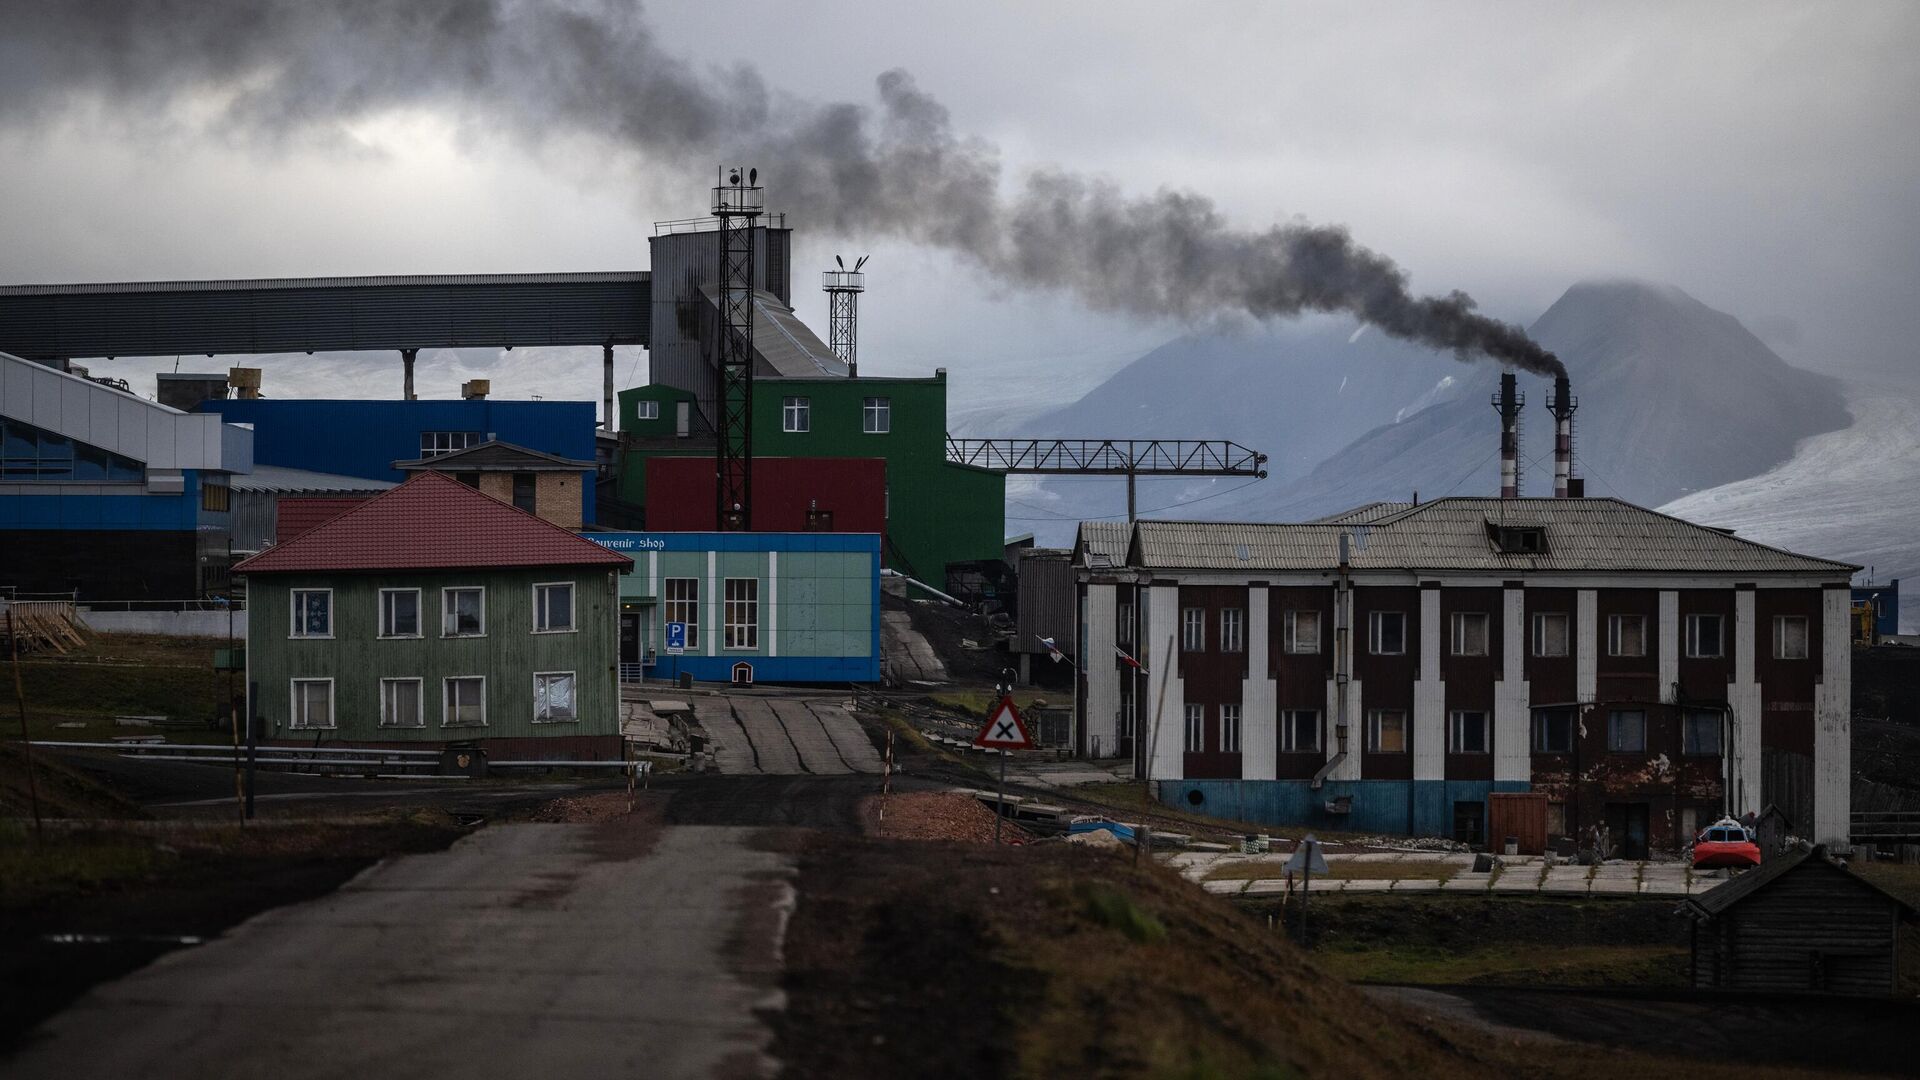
x: 1259, y: 723
x: 773, y: 603
x: 1669, y: 644
x: 1832, y: 723
x: 1429, y: 696
x: 712, y: 609
x: 1512, y: 696
x: 1099, y: 661
x: 1586, y: 658
x: 1743, y: 702
x: 1164, y: 711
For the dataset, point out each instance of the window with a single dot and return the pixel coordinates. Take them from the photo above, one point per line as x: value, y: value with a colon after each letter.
x: 312, y: 613
x: 1387, y: 731
x: 399, y: 613
x: 1233, y: 630
x: 1300, y: 631
x: 1469, y: 633
x: 796, y: 414
x: 435, y: 443
x: 471, y: 479
x: 1550, y: 635
x: 742, y: 614
x: 1626, y: 635
x: 1229, y: 729
x: 553, y: 697
x: 683, y: 606
x: 1789, y: 637
x: 1700, y: 732
x: 1125, y: 632
x: 465, y: 702
x: 30, y: 454
x: 1466, y: 732
x: 1522, y: 540
x: 1193, y: 629
x: 1299, y: 730
x: 553, y: 608
x: 1196, y: 729
x: 524, y: 489
x: 400, y: 703
x: 1553, y: 731
x: 1626, y: 731
x: 214, y: 497
x: 1703, y: 635
x: 1387, y: 633
x: 463, y: 612
x: 876, y: 416
x: 312, y: 703
x: 1126, y: 708
x: 646, y: 410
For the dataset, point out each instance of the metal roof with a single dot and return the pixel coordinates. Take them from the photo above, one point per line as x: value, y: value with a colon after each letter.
x: 1593, y: 534
x: 1102, y: 543
x: 782, y: 342
x: 1364, y: 515
x: 281, y: 480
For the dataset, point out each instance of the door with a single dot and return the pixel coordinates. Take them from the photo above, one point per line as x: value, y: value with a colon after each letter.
x: 1469, y: 823
x: 1628, y: 824
x: 630, y: 639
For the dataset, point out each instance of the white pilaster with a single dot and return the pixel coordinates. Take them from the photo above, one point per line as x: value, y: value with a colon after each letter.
x: 1743, y: 703
x: 1259, y: 723
x: 1512, y: 697
x: 1669, y: 644
x: 1098, y: 659
x: 1429, y: 696
x: 1165, y: 708
x: 1832, y: 723
x: 711, y: 609
x: 773, y: 603
x: 1586, y: 657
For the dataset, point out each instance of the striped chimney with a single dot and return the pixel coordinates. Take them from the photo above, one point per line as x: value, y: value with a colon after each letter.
x: 1561, y: 405
x: 1508, y: 403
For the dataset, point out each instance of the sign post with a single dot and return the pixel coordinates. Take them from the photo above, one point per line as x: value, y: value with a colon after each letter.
x: 676, y: 645
x: 1004, y: 731
x: 1306, y: 859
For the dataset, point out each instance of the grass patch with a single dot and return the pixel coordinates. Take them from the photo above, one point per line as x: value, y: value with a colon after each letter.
x: 972, y: 701
x: 1116, y: 910
x: 123, y: 675
x: 1900, y: 879
x: 1343, y: 870
x: 1512, y: 964
x: 1132, y: 797
x: 67, y: 864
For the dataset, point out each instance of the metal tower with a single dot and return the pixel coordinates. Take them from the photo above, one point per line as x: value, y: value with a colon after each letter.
x: 844, y: 287
x: 737, y: 202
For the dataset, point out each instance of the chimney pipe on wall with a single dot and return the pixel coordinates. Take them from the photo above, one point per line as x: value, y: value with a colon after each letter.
x: 1508, y: 403
x: 1561, y: 405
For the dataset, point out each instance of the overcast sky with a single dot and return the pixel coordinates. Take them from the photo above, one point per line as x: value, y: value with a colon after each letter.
x: 1763, y: 157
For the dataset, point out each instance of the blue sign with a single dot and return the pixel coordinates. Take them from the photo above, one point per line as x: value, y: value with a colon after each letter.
x: 676, y: 638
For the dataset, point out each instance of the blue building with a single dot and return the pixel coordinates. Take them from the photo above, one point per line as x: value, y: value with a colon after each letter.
x: 1885, y: 599
x: 108, y: 496
x: 366, y: 437
x: 759, y: 607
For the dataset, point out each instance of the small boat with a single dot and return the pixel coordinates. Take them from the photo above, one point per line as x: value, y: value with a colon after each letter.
x: 1725, y: 843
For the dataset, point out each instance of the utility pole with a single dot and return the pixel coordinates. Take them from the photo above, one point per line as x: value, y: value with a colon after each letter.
x: 738, y: 202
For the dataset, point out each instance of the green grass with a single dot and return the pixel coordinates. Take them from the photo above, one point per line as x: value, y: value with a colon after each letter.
x: 1900, y: 879
x: 1517, y: 964
x: 69, y: 863
x: 120, y: 675
x: 1115, y: 909
x: 1342, y: 870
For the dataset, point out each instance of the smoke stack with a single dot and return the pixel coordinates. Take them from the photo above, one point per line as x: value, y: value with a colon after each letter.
x: 1508, y: 402
x: 1561, y: 405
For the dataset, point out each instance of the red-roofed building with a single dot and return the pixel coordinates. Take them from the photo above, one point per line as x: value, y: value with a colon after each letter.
x: 433, y: 614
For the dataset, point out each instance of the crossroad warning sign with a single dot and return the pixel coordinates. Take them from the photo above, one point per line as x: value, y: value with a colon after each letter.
x: 1005, y: 730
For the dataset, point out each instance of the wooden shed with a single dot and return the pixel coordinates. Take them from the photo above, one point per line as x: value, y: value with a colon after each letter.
x: 1800, y: 923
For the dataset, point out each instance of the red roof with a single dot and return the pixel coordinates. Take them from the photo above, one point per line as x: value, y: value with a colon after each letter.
x: 296, y: 514
x: 431, y: 522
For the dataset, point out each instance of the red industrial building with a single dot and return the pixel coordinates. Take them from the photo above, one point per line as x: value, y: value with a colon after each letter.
x: 790, y: 494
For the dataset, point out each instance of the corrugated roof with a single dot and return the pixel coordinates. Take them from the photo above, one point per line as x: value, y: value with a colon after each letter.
x: 787, y: 345
x: 293, y: 516
x: 497, y: 456
x: 278, y: 479
x: 85, y: 288
x: 1103, y: 542
x: 1364, y: 515
x: 1596, y: 534
x: 431, y: 522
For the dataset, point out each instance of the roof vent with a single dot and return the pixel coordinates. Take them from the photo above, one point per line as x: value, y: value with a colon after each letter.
x: 1518, y: 539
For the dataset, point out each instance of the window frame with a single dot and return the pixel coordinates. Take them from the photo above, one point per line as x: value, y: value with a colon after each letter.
x: 1230, y: 717
x: 1193, y: 624
x: 1615, y: 623
x: 540, y: 607
x: 1689, y: 746
x: 668, y: 602
x: 1536, y: 643
x: 1540, y: 719
x: 1780, y: 623
x: 1693, y: 623
x: 1233, y: 630
x: 1123, y: 632
x: 574, y: 694
x: 1456, y: 730
x: 296, y: 720
x: 1615, y: 744
x: 1456, y: 632
x: 446, y: 685
x: 1290, y: 631
x: 445, y: 593
x: 1374, y: 726
x: 1196, y: 716
x: 212, y: 494
x: 1376, y: 622
x: 419, y: 629
x: 796, y: 415
x: 646, y: 409
x: 876, y: 410
x: 727, y: 623
x: 419, y: 702
x: 1290, y: 730
x: 531, y: 480
x: 430, y: 442
x: 293, y: 614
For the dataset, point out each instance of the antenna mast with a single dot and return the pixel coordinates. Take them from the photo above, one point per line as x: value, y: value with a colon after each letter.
x: 737, y: 202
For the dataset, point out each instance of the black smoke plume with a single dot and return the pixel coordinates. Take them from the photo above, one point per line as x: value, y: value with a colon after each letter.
x: 278, y: 70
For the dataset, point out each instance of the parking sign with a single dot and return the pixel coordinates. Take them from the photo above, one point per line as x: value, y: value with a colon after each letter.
x: 676, y: 638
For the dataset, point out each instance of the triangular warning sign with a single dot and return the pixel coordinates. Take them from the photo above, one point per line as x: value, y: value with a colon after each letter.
x: 1005, y: 730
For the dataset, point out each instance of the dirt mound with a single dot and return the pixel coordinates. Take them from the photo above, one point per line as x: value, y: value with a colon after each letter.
x: 934, y: 815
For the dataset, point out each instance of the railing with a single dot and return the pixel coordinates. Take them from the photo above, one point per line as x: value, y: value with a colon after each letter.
x: 322, y: 757
x: 1902, y: 826
x: 712, y: 224
x: 1136, y: 457
x: 214, y: 604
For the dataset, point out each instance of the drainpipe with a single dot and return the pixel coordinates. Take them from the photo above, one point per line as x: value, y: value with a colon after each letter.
x: 1342, y: 664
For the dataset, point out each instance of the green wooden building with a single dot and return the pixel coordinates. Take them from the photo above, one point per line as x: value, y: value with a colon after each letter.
x: 434, y: 614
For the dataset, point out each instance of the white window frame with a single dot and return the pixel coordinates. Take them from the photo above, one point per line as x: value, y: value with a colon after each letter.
x: 1457, y: 729
x: 1290, y: 631
x: 419, y: 615
x: 1694, y: 622
x: 1196, y: 729
x: 1290, y: 733
x: 419, y: 702
x: 1614, y: 625
x: 876, y: 416
x: 1689, y: 746
x: 539, y: 675
x: 668, y: 602
x: 540, y: 608
x: 1540, y: 717
x: 1124, y: 632
x: 446, y: 686
x: 445, y: 595
x: 1538, y: 643
x: 1374, y: 717
x: 728, y: 625
x: 1457, y: 635
x: 1376, y: 621
x: 1613, y: 715
x: 1230, y: 729
x: 1233, y: 630
x: 433, y: 445
x: 295, y: 720
x: 646, y: 410
x: 1193, y: 629
x: 796, y: 415
x: 1780, y: 624
x: 293, y: 614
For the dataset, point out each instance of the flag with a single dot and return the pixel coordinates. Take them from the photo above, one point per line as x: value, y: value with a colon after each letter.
x: 1052, y: 649
x: 1128, y: 660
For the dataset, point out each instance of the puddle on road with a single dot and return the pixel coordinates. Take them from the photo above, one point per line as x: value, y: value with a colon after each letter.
x: 176, y: 940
